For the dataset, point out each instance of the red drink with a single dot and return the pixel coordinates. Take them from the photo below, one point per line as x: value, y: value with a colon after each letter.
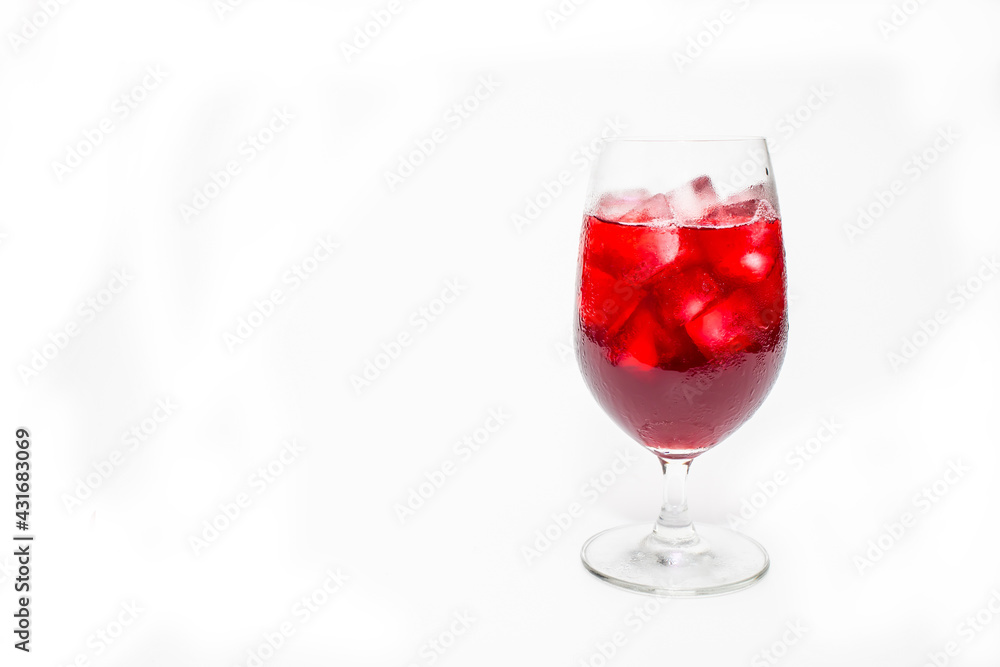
x: 682, y: 321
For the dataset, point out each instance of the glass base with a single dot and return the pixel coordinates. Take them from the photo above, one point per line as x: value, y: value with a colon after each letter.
x: 717, y: 560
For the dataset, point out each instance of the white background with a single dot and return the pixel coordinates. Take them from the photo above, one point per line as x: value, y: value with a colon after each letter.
x: 501, y: 344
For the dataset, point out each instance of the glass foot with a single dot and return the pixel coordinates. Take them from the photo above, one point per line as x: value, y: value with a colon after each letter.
x: 717, y: 560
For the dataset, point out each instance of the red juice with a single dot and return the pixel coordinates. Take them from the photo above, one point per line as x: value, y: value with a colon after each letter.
x: 682, y: 324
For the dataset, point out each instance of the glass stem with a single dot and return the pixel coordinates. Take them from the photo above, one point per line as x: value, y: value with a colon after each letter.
x: 674, y: 523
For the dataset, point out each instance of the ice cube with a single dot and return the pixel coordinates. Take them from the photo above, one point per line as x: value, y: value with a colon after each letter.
x: 637, y: 344
x: 644, y: 343
x: 761, y: 192
x: 770, y: 297
x: 693, y: 200
x: 765, y: 211
x: 605, y: 302
x: 732, y: 214
x: 741, y: 260
x: 683, y: 296
x: 612, y: 206
x: 732, y: 325
x: 689, y: 252
x: 758, y: 192
x: 740, y: 250
x: 632, y: 252
x: 677, y: 351
x: 653, y: 249
x: 751, y: 267
x: 655, y: 209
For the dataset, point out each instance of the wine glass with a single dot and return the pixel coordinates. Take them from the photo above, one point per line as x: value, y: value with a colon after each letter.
x: 681, y: 331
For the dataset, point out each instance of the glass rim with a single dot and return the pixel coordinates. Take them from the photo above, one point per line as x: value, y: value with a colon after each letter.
x: 685, y: 140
